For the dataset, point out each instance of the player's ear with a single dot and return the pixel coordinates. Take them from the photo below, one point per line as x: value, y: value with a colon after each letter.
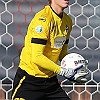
x: 49, y: 1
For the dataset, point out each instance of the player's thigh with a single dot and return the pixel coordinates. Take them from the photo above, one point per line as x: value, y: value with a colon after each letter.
x: 29, y: 95
x: 57, y: 93
x: 27, y: 91
x: 24, y: 89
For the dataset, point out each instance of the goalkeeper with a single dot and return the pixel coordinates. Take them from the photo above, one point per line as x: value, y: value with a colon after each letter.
x: 46, y: 42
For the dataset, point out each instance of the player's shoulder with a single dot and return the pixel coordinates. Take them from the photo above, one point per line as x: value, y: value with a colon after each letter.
x: 66, y: 16
x: 67, y: 19
x: 44, y: 15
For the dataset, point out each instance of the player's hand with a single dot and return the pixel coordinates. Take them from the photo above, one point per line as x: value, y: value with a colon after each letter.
x: 79, y: 69
x: 73, y: 76
x: 81, y: 77
x: 66, y: 72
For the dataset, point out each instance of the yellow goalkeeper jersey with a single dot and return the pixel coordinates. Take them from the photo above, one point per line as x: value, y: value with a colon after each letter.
x: 46, y: 42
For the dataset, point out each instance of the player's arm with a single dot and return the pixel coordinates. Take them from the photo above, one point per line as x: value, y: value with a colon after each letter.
x: 39, y: 58
x: 38, y: 43
x: 40, y: 33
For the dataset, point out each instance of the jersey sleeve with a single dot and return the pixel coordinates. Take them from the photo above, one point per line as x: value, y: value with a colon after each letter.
x: 40, y: 33
x: 41, y: 60
x: 39, y: 27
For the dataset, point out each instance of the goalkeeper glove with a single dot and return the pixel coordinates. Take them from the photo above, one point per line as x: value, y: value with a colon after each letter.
x: 73, y: 76
x: 66, y: 72
x: 81, y: 77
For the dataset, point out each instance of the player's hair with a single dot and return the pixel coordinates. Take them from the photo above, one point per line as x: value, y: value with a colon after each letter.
x: 49, y: 1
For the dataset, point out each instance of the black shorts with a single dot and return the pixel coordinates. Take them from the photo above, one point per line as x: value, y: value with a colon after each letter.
x: 27, y: 87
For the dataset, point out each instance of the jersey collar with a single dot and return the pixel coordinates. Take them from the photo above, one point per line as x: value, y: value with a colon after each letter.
x: 60, y: 16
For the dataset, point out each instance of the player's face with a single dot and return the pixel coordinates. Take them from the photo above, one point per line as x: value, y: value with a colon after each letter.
x: 62, y: 3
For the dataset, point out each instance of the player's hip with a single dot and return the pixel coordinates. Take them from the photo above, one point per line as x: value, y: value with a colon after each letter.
x: 25, y: 82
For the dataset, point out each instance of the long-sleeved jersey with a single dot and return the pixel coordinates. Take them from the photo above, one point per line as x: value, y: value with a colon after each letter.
x: 46, y: 42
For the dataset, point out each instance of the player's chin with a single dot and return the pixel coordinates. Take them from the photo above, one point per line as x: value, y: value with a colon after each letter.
x: 65, y: 5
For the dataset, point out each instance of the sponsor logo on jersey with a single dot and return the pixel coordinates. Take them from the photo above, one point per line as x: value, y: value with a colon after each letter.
x: 59, y: 42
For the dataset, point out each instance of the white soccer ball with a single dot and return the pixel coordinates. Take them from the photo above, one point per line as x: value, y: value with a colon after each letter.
x: 78, y: 64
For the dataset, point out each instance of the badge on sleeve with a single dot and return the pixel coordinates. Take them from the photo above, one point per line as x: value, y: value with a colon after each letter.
x: 39, y: 29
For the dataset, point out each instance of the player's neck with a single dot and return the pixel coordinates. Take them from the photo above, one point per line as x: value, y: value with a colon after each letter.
x: 57, y: 9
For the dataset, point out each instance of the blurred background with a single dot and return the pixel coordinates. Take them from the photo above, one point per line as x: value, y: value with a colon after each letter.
x: 15, y: 16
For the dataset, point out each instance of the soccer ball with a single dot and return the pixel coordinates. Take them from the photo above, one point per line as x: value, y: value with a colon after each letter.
x: 78, y: 64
